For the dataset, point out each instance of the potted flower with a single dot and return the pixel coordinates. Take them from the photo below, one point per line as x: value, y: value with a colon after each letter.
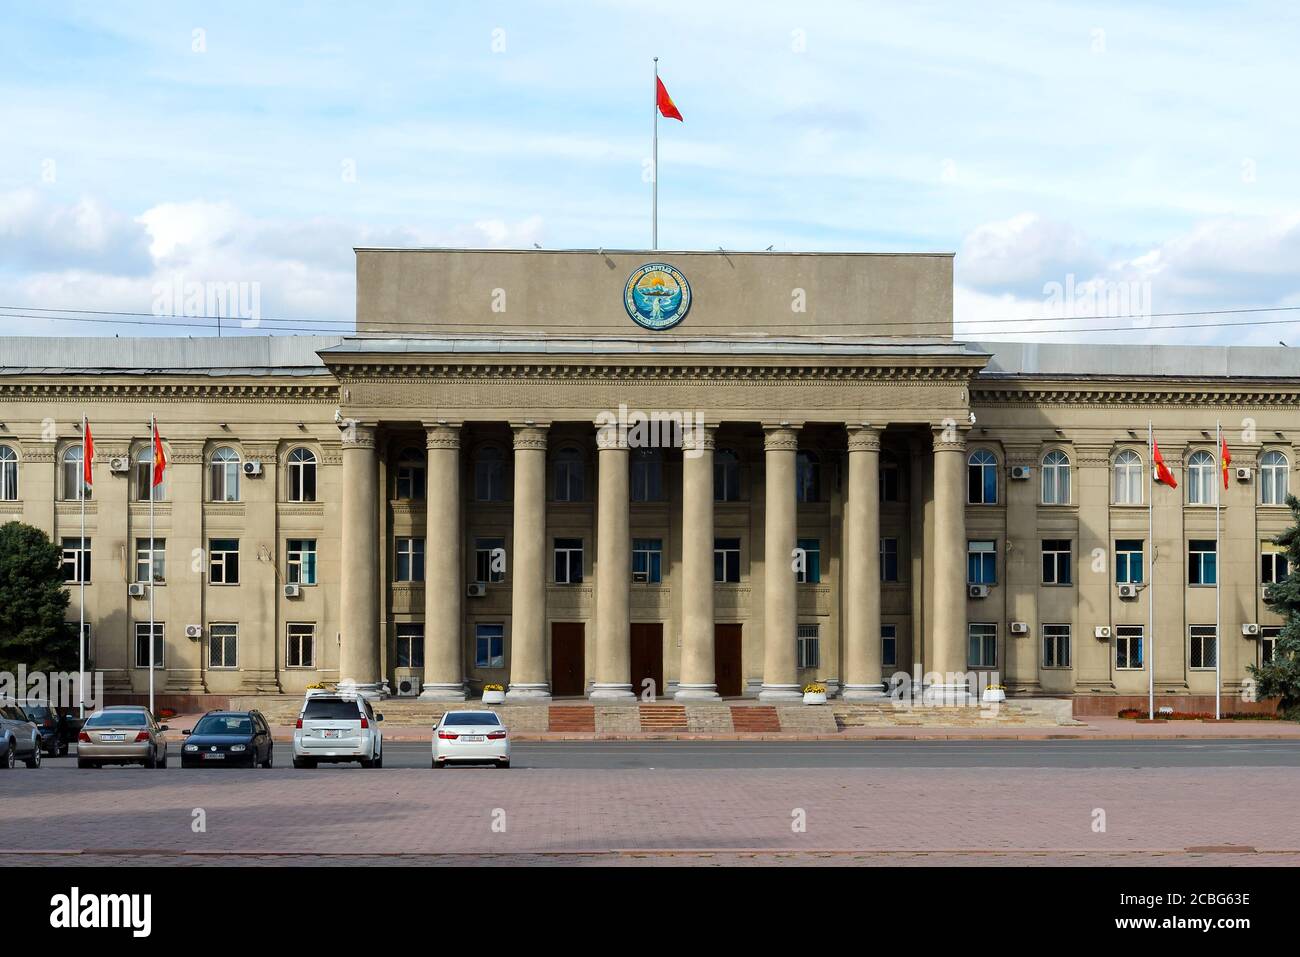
x: 494, y: 694
x: 994, y: 694
x: 814, y: 694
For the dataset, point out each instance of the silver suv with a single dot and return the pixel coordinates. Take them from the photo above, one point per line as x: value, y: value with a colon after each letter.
x: 19, y: 737
x: 335, y: 727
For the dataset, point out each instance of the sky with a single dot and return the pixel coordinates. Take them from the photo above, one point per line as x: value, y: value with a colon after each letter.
x: 1112, y: 160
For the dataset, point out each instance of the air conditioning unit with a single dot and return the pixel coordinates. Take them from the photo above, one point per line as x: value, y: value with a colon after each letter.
x: 292, y: 590
x: 1243, y: 474
x: 1020, y: 628
x: 1250, y: 629
x: 119, y: 464
x: 1021, y: 473
x: 1263, y: 595
x: 641, y: 577
x: 1128, y: 591
x: 977, y: 591
x: 135, y: 590
x: 408, y: 686
x: 194, y: 631
x: 252, y: 467
x: 476, y: 590
x: 1102, y: 632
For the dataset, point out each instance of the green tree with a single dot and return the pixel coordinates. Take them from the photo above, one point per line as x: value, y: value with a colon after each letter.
x: 1280, y: 678
x: 33, y: 602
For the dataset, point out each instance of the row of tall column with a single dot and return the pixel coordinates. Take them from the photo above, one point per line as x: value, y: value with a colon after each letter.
x: 444, y: 671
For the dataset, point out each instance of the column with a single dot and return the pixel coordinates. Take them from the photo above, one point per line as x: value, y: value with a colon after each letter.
x: 527, y: 569
x: 359, y: 554
x: 696, y: 678
x: 862, y: 650
x: 444, y: 667
x: 780, y: 609
x: 613, y: 674
x: 948, y: 567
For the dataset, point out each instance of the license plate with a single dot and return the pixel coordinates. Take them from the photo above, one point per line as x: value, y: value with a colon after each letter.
x: 210, y: 756
x: 472, y: 737
x: 112, y: 737
x: 331, y: 733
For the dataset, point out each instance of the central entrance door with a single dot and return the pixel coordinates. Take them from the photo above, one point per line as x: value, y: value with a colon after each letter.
x: 726, y: 660
x: 568, y: 659
x: 647, y: 657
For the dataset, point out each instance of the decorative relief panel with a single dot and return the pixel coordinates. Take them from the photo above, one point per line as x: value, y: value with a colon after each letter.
x: 568, y: 600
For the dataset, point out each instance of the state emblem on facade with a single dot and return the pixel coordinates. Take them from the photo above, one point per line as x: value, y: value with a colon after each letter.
x: 657, y: 296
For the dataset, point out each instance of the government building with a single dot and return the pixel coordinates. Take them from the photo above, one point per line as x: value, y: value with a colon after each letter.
x: 599, y: 473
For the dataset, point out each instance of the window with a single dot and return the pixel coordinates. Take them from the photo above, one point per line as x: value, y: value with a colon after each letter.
x: 889, y: 645
x: 982, y: 563
x: 74, y: 479
x: 807, y: 478
x: 151, y: 566
x: 1056, y: 478
x: 224, y: 471
x: 489, y: 646
x: 1268, y: 644
x: 1274, y: 471
x: 223, y: 561
x: 811, y: 572
x: 891, y: 480
x: 144, y: 477
x: 1204, y: 650
x: 1056, y: 646
x: 1202, y: 482
x: 889, y: 559
x: 568, y: 561
x: 410, y: 644
x: 223, y: 642
x: 8, y: 474
x: 1273, y: 566
x: 1128, y: 647
x: 647, y: 475
x: 726, y: 559
x: 409, y: 565
x: 1128, y: 478
x: 1128, y: 561
x: 301, y: 561
x: 302, y: 475
x: 1202, y: 562
x: 489, y: 475
x: 410, y: 475
x: 570, y: 476
x: 1056, y: 561
x: 983, y: 644
x: 76, y: 560
x: 490, y: 560
x: 647, y: 560
x: 300, y: 645
x: 982, y: 478
x: 808, y: 647
x: 726, y: 476
x: 142, y: 644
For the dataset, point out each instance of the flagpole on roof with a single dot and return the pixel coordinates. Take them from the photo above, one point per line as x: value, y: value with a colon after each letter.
x: 1218, y: 567
x: 654, y: 162
x: 1151, y: 586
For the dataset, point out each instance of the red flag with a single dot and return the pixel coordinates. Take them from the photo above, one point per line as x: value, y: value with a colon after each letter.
x: 1163, y: 475
x: 665, y: 102
x: 87, y: 452
x: 159, y: 457
x: 1225, y: 458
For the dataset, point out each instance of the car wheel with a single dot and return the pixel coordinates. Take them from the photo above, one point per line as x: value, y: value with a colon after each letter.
x: 35, y: 760
x: 270, y: 755
x: 163, y: 763
x: 11, y: 756
x: 152, y: 760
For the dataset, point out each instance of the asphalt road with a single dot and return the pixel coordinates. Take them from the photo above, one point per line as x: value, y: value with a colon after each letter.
x: 718, y: 755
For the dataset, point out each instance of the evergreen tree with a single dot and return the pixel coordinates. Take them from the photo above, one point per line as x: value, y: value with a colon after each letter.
x: 1280, y: 678
x: 33, y: 602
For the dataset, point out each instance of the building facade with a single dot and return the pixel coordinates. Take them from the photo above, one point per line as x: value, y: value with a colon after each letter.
x: 726, y: 474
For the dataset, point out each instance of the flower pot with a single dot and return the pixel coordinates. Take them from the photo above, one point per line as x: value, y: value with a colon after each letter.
x: 494, y: 697
x: 993, y: 695
x: 814, y: 697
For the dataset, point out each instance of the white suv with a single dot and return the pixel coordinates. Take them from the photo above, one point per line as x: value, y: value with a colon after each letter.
x: 335, y: 727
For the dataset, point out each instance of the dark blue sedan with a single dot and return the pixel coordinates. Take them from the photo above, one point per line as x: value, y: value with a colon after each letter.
x: 224, y: 738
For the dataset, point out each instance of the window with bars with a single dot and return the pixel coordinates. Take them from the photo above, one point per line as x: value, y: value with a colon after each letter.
x: 1056, y: 646
x: 223, y: 646
x: 808, y: 647
x: 300, y: 644
x: 1203, y: 652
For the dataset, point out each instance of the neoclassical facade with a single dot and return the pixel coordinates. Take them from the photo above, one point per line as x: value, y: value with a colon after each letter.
x: 510, y: 475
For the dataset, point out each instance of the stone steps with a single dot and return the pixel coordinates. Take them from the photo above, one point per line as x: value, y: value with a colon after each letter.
x: 757, y: 718
x: 571, y: 717
x: 663, y: 717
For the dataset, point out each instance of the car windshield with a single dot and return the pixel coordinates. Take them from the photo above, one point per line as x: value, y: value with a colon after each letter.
x: 118, y: 719
x: 225, y: 724
x: 331, y: 709
x: 37, y: 712
x: 471, y: 718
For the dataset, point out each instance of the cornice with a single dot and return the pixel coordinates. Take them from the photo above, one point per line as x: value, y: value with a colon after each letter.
x: 417, y: 372
x: 51, y: 389
x: 1026, y: 397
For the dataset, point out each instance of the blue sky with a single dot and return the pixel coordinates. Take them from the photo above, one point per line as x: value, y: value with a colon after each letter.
x: 1143, y: 151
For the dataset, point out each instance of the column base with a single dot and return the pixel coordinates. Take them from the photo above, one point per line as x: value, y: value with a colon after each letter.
x: 863, y: 692
x: 536, y: 692
x: 371, y: 690
x: 695, y: 692
x: 442, y: 691
x: 780, y: 693
x: 610, y: 691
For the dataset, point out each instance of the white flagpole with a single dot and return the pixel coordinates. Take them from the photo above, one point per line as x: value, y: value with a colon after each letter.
x: 1151, y: 585
x: 654, y: 166
x: 153, y: 429
x: 81, y: 577
x: 1218, y: 573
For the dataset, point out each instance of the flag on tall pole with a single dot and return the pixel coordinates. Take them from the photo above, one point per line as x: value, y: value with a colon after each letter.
x: 1150, y: 656
x: 87, y: 479
x: 1225, y: 459
x: 663, y: 104
x: 159, y: 468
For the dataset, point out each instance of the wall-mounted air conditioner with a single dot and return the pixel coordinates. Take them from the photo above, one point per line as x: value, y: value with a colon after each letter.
x: 476, y: 590
x: 135, y: 590
x: 1102, y: 632
x: 252, y: 467
x: 119, y: 463
x: 1020, y: 628
x: 1250, y: 629
x: 292, y: 590
x: 194, y: 631
x: 977, y: 591
x: 408, y: 685
x: 1128, y: 590
x: 1021, y: 473
x: 1243, y: 474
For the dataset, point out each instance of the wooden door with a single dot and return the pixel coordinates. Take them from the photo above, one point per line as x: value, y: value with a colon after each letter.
x: 726, y: 660
x: 568, y: 659
x: 647, y: 656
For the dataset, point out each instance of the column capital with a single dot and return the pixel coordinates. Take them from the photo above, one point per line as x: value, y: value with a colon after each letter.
x: 441, y: 435
x: 610, y: 438
x: 949, y: 437
x: 703, y: 439
x: 864, y: 438
x: 357, y: 436
x: 780, y: 438
x: 530, y: 437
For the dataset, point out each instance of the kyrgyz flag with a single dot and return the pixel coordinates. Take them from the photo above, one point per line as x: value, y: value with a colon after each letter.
x: 87, y: 452
x: 665, y: 102
x: 159, y: 457
x: 1225, y: 459
x: 1163, y: 475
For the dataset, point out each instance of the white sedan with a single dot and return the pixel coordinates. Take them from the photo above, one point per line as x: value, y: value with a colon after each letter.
x: 471, y: 737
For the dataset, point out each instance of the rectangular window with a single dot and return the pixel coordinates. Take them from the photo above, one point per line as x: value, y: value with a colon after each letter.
x: 647, y: 560
x: 1128, y: 561
x: 983, y: 644
x: 568, y: 561
x: 808, y: 647
x: 223, y: 561
x: 489, y: 646
x: 223, y: 642
x: 726, y: 559
x: 490, y: 560
x: 1128, y: 647
x: 142, y: 644
x: 1273, y: 565
x: 890, y: 482
x: 981, y: 563
x: 889, y: 559
x: 409, y: 565
x: 1056, y: 561
x: 1204, y: 650
x: 300, y: 645
x: 1056, y: 646
x: 410, y: 644
x: 811, y: 572
x: 889, y: 645
x: 76, y: 560
x: 1268, y: 644
x: 144, y: 561
x: 300, y: 568
x: 1202, y: 563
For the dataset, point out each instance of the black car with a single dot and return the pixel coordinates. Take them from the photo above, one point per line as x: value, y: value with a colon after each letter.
x: 53, y: 727
x: 239, y: 738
